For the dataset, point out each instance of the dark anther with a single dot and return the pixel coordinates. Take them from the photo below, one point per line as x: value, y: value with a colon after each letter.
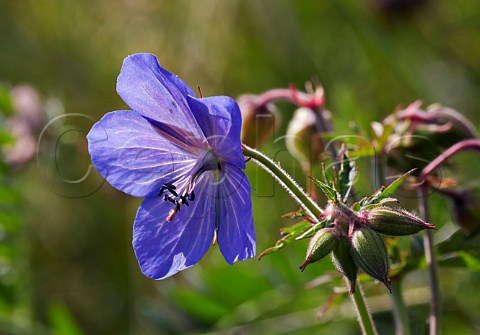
x: 166, y: 197
x: 184, y: 200
x: 191, y: 196
x: 219, y: 167
x: 168, y: 187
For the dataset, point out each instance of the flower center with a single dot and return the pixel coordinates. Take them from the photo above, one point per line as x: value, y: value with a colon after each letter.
x: 207, y: 161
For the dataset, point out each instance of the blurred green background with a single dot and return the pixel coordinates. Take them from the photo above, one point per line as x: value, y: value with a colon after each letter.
x: 67, y: 265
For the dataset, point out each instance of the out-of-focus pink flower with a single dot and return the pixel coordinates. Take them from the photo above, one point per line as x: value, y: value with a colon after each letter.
x: 24, y: 125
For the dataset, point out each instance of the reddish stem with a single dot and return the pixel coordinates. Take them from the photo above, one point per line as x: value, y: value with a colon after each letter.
x: 447, y: 154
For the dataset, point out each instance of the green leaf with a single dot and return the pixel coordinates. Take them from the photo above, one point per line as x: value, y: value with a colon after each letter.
x: 200, y: 305
x: 346, y: 176
x: 62, y: 321
x: 384, y: 192
x: 460, y: 259
x: 310, y: 232
x: 6, y: 106
x: 290, y: 234
x: 380, y: 203
x: 300, y: 226
x: 357, y: 145
x: 5, y: 138
x: 8, y: 195
x: 329, y: 191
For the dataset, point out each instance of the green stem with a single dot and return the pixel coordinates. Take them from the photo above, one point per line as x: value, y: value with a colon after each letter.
x: 286, y: 181
x: 400, y: 312
x: 314, y: 211
x: 431, y: 262
x: 363, y: 314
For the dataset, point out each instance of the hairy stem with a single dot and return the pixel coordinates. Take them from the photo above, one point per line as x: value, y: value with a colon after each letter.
x: 363, y: 313
x: 286, y: 181
x: 431, y: 262
x: 461, y: 146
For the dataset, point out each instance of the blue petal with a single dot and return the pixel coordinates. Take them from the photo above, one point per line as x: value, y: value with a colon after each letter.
x: 221, y: 122
x: 164, y: 248
x: 157, y: 94
x: 134, y: 156
x: 236, y: 234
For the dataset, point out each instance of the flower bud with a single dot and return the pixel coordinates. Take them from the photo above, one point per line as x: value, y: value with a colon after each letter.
x: 320, y: 245
x: 259, y: 121
x: 369, y: 252
x: 466, y: 208
x: 395, y: 221
x: 24, y: 126
x: 419, y: 136
x: 303, y: 137
x: 344, y: 262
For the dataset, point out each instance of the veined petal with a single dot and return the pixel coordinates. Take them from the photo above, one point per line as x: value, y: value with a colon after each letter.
x: 157, y: 94
x: 236, y: 234
x: 133, y: 156
x: 165, y: 248
x: 221, y: 122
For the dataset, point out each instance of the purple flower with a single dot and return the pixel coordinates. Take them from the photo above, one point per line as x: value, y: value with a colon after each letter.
x: 183, y: 155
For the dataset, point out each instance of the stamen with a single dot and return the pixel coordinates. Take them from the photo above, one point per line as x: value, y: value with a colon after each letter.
x: 169, y: 198
x: 172, y: 214
x: 168, y: 187
x: 184, y: 200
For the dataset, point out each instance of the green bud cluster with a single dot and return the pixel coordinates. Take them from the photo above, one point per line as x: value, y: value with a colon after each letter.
x: 362, y: 248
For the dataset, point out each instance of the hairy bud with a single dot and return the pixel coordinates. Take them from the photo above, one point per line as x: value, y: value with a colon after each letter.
x: 320, y: 245
x: 395, y: 221
x: 344, y: 262
x: 370, y: 254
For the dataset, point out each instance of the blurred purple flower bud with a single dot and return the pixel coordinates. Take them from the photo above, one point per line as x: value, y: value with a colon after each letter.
x: 259, y: 120
x: 314, y: 97
x: 466, y: 208
x: 418, y: 136
x: 28, y: 107
x: 24, y: 125
x: 303, y: 137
